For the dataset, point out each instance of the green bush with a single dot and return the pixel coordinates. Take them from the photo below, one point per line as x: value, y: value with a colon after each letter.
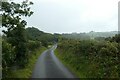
x: 91, y: 58
x: 33, y: 45
x: 8, y: 56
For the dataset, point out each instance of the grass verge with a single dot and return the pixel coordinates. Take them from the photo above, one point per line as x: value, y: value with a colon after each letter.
x: 27, y: 71
x: 69, y: 66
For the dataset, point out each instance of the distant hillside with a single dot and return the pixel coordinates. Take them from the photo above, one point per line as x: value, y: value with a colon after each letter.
x: 82, y: 36
x: 102, y: 34
x: 37, y: 35
x: 33, y: 33
x: 90, y: 35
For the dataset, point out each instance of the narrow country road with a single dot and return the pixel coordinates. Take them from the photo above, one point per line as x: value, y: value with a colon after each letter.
x: 48, y: 66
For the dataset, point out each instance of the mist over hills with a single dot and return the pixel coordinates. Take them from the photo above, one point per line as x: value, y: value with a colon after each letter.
x: 90, y: 35
x: 102, y: 34
x: 36, y: 34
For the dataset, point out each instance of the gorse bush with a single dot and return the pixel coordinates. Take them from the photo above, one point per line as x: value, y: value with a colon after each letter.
x: 91, y: 58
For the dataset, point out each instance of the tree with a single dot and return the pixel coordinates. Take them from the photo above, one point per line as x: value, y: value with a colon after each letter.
x: 15, y: 33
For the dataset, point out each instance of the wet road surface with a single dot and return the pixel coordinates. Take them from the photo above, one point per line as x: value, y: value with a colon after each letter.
x: 48, y: 66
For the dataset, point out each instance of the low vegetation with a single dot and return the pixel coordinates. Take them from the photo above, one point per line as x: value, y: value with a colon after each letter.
x: 27, y: 71
x: 91, y: 58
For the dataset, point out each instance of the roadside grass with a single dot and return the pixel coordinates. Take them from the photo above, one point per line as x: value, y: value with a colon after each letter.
x: 27, y: 71
x: 69, y: 65
x: 82, y: 67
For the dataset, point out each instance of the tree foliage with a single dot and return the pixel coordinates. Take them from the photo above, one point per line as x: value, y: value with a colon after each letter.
x: 37, y: 35
x: 8, y: 56
x: 14, y: 47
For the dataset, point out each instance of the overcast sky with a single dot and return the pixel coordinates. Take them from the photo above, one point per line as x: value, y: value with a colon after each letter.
x: 67, y: 16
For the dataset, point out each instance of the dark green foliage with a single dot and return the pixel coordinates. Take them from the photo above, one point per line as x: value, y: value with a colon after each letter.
x: 45, y: 38
x: 11, y: 19
x: 14, y: 51
x: 32, y: 45
x: 116, y: 38
x: 8, y: 56
x: 33, y: 33
x: 91, y: 58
